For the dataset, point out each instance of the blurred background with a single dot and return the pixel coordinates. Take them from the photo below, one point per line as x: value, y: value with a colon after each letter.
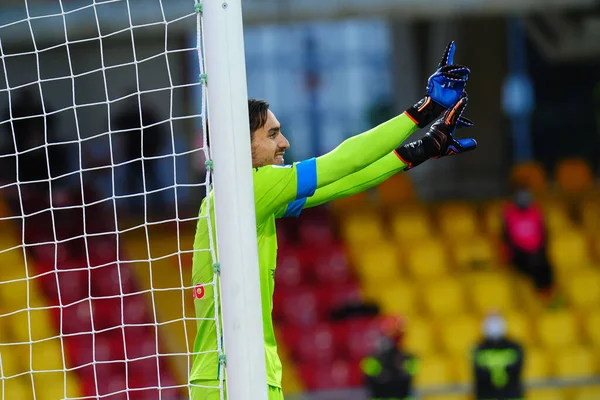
x: 495, y: 249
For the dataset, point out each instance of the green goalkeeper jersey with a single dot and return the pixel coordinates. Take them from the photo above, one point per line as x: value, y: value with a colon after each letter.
x: 357, y: 164
x: 274, y: 187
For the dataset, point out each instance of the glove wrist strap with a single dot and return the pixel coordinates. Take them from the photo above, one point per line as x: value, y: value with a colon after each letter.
x: 415, y: 153
x: 424, y: 111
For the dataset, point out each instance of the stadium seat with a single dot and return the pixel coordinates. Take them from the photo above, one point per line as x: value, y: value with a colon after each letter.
x: 332, y: 267
x: 492, y: 218
x: 592, y: 328
x: 357, y: 202
x: 67, y: 286
x: 427, y: 259
x: 462, y: 370
x: 419, y: 337
x: 34, y: 325
x: 591, y: 392
x: 575, y: 361
x: 590, y: 215
x: 492, y: 291
x: 362, y: 229
x: 397, y: 189
x: 340, y: 374
x: 315, y: 344
x: 518, y: 327
x: 530, y: 175
x: 75, y: 318
x: 574, y: 176
x: 291, y: 270
x: 479, y: 254
x: 556, y: 216
x: 583, y: 289
x: 434, y: 370
x: 459, y: 335
x: 457, y: 220
x: 557, y: 330
x: 397, y: 297
x: 568, y: 251
x: 378, y: 263
x: 18, y: 388
x: 546, y: 394
x: 537, y: 364
x: 411, y: 224
x: 331, y: 298
x: 444, y: 298
x: 300, y: 306
x: 361, y: 337
x: 11, y: 362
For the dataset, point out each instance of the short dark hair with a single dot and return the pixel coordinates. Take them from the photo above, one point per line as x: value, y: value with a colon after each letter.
x: 258, y: 113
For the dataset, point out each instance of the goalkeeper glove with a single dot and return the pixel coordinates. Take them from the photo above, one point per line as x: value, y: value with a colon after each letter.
x: 440, y: 140
x: 444, y: 88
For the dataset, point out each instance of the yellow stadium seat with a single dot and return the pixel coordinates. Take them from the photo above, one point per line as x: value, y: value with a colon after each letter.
x: 492, y: 292
x: 575, y: 361
x: 574, y: 176
x: 362, y: 229
x: 11, y: 362
x: 397, y: 189
x: 45, y: 356
x: 590, y: 215
x: 397, y: 297
x: 434, y: 370
x: 583, y: 289
x: 411, y: 224
x: 546, y: 394
x: 37, y: 323
x: 462, y: 369
x: 479, y: 254
x: 427, y: 259
x: 378, y: 263
x: 592, y: 328
x: 359, y: 201
x: 444, y: 298
x: 18, y: 388
x: 518, y: 327
x: 537, y: 364
x: 591, y: 392
x: 492, y: 218
x: 459, y: 335
x: 530, y: 175
x: 457, y: 220
x: 51, y: 385
x: 556, y: 216
x: 557, y: 330
x: 568, y: 251
x: 419, y: 337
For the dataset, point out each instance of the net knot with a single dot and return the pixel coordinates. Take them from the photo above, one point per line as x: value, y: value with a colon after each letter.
x: 216, y: 268
x: 209, y: 165
x: 222, y: 359
x: 198, y: 7
x: 203, y: 79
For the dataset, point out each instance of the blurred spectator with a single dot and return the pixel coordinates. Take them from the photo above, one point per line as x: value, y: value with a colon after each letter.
x: 497, y: 363
x: 144, y: 137
x: 525, y: 240
x: 389, y: 373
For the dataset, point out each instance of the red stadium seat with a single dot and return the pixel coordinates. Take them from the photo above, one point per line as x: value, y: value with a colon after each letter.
x: 75, y: 318
x: 111, y: 280
x: 291, y: 270
x: 361, y: 337
x: 300, y: 306
x: 312, y: 345
x: 332, y: 266
x: 340, y: 374
x: 316, y: 233
x: 70, y: 288
x: 140, y: 341
x: 332, y: 297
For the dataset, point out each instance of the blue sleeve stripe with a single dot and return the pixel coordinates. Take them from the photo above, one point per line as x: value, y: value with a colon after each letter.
x: 295, y: 208
x: 307, y: 178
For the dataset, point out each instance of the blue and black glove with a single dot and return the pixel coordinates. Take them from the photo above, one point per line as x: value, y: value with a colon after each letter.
x: 440, y: 140
x: 444, y: 88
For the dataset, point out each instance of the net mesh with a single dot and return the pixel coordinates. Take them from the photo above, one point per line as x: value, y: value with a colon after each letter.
x: 96, y: 220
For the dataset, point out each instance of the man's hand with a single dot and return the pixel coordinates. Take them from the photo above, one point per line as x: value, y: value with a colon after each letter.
x: 444, y: 88
x: 440, y: 140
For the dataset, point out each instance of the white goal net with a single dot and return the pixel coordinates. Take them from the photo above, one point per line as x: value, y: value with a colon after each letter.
x: 102, y: 168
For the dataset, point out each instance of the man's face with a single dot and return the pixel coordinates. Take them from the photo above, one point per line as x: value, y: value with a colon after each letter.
x: 268, y: 143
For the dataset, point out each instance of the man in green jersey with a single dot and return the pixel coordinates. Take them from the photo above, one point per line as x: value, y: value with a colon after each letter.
x: 280, y: 190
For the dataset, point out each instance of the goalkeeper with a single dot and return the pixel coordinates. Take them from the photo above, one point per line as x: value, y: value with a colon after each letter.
x: 357, y: 164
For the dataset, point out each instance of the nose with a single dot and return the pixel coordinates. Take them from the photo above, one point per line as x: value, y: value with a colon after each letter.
x: 283, y: 142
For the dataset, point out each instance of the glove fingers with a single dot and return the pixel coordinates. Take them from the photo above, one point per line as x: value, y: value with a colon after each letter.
x: 464, y: 123
x: 458, y: 69
x: 453, y: 114
x: 467, y: 144
x: 448, y: 56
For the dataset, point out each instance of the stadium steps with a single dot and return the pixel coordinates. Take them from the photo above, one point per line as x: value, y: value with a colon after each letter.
x: 33, y: 337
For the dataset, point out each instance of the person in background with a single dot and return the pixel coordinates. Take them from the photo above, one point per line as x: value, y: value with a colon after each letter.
x: 497, y: 363
x: 525, y: 241
x: 388, y: 374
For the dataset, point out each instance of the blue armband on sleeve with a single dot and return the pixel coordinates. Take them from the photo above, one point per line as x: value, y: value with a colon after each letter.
x: 307, y: 178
